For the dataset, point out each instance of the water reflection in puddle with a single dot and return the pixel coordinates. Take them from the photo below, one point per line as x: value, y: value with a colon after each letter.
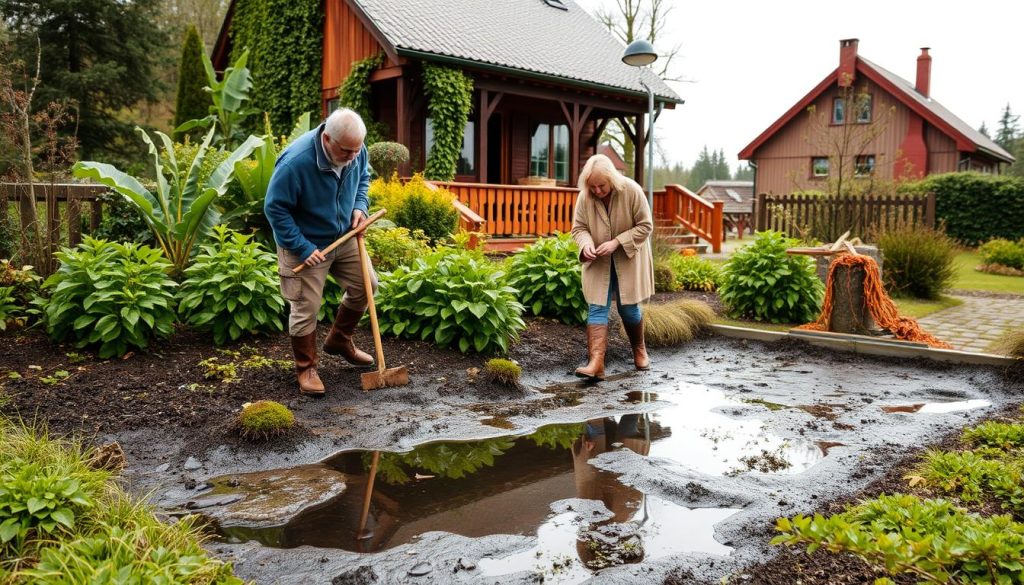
x: 697, y: 437
x: 938, y: 407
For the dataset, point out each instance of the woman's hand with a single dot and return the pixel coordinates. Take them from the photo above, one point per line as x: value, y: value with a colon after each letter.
x: 588, y: 252
x: 607, y: 248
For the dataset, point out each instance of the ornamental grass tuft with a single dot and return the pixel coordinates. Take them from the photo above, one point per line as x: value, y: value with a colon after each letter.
x: 1012, y: 344
x: 675, y: 322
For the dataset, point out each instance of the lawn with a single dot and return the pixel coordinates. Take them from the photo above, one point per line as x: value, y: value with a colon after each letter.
x: 970, y: 279
x: 918, y: 308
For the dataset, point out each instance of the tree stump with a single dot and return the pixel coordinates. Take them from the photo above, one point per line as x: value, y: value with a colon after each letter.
x: 850, y: 313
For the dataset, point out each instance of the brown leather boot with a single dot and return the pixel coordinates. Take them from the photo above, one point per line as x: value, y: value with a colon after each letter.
x: 304, y: 348
x: 339, y: 340
x: 597, y: 345
x: 636, y: 339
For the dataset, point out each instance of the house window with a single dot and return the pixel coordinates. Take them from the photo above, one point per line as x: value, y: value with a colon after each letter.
x: 864, y: 165
x: 819, y: 166
x: 549, y: 152
x: 864, y: 108
x: 333, y: 104
x: 838, y: 110
x: 466, y: 165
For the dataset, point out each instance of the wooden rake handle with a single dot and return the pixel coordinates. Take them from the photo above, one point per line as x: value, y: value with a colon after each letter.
x: 346, y: 237
x: 364, y: 262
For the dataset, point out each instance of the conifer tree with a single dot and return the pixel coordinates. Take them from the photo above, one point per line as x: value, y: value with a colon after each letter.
x: 193, y: 101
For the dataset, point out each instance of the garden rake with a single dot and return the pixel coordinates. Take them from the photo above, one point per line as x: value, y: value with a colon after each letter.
x: 384, y: 376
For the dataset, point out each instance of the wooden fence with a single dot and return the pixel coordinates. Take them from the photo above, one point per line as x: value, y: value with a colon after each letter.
x: 826, y: 217
x: 62, y: 214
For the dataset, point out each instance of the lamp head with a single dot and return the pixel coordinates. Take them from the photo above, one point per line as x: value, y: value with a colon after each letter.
x: 639, y: 53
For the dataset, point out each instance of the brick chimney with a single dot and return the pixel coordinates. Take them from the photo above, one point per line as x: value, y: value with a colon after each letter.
x: 924, y: 72
x: 847, y: 62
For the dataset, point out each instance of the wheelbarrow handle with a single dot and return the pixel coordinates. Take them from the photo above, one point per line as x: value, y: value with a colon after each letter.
x: 379, y: 214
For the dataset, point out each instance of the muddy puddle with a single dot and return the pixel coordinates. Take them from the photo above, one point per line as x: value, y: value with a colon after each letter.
x: 520, y: 485
x: 938, y: 407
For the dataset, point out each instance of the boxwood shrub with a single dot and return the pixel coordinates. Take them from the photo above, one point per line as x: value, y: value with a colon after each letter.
x: 453, y: 298
x: 762, y: 282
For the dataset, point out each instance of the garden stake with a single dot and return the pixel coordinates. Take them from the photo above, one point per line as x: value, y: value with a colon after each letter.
x: 383, y: 376
x: 346, y: 237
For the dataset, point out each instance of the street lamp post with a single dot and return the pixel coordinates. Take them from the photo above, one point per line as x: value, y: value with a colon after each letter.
x: 640, y: 54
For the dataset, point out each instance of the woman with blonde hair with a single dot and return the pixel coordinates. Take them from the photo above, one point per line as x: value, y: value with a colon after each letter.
x: 612, y: 225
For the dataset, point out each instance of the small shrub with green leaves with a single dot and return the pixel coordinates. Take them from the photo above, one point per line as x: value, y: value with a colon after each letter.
x: 694, y: 273
x: 452, y: 298
x: 231, y: 288
x: 664, y: 278
x: 8, y: 308
x: 503, y: 371
x: 38, y: 502
x: 919, y: 262
x: 122, y: 222
x: 547, y: 275
x: 415, y: 205
x: 1003, y: 252
x: 763, y: 282
x: 111, y: 295
x: 19, y: 289
x: 932, y: 541
x: 264, y: 419
x: 386, y: 157
x: 390, y: 248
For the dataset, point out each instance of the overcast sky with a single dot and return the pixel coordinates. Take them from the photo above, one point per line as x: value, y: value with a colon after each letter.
x: 751, y: 60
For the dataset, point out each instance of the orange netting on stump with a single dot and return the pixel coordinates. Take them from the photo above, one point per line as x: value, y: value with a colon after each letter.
x: 881, y: 307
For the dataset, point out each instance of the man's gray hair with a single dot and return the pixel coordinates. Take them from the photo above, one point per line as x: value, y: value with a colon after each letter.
x: 345, y: 122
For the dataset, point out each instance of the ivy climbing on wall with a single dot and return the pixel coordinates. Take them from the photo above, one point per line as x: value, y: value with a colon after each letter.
x: 450, y: 94
x: 355, y: 94
x: 285, y: 38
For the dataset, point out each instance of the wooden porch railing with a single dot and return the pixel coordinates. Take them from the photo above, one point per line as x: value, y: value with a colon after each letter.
x: 517, y: 210
x: 693, y: 212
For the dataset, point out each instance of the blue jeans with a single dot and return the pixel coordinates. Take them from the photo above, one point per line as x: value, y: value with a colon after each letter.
x: 598, y: 314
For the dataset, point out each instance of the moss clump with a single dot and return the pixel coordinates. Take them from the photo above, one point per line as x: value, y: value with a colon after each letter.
x: 675, y: 322
x: 264, y: 419
x: 503, y: 371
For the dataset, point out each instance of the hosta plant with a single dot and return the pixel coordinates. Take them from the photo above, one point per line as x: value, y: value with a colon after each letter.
x: 114, y: 296
x: 694, y: 273
x: 547, y: 276
x: 452, y: 298
x: 231, y: 288
x: 761, y: 281
x: 37, y: 502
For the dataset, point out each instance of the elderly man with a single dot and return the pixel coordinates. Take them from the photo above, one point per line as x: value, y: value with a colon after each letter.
x: 317, y: 193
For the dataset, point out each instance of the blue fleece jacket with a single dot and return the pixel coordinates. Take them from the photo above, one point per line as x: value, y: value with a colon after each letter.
x: 307, y: 204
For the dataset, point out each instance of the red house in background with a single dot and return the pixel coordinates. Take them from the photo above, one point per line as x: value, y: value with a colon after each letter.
x: 915, y: 136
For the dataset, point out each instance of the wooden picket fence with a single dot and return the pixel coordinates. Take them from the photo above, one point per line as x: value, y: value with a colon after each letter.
x: 826, y: 217
x: 63, y: 205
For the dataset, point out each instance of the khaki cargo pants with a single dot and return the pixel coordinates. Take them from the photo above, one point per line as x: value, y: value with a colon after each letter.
x: 305, y: 290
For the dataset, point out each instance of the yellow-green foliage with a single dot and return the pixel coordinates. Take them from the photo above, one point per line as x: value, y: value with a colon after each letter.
x: 503, y: 371
x: 416, y: 206
x: 264, y: 419
x: 674, y: 322
x: 1012, y: 344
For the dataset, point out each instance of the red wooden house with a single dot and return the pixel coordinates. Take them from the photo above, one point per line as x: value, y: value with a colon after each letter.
x: 916, y: 135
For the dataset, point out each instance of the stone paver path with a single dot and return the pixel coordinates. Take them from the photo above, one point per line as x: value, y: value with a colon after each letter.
x: 974, y: 325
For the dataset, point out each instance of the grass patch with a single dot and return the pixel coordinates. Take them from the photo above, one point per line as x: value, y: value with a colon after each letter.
x: 968, y: 278
x: 917, y: 308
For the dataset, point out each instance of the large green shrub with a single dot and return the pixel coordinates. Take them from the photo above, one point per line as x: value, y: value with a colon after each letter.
x: 547, y: 275
x: 192, y: 101
x: 392, y: 247
x: 763, y: 282
x: 452, y: 298
x: 231, y: 288
x: 976, y: 207
x: 122, y: 222
x: 919, y: 262
x: 1004, y: 252
x: 694, y: 273
x: 417, y: 206
x: 116, y: 296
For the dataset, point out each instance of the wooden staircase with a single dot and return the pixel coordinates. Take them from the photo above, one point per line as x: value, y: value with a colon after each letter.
x: 678, y: 236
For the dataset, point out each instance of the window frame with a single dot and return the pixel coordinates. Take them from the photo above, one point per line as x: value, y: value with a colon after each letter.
x: 838, y: 107
x: 552, y: 152
x: 468, y: 137
x: 814, y: 173
x: 862, y: 162
x: 869, y: 104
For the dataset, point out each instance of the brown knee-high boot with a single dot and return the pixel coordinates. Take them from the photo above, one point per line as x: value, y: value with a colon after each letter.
x: 339, y: 340
x: 597, y: 345
x: 304, y: 348
x: 636, y: 339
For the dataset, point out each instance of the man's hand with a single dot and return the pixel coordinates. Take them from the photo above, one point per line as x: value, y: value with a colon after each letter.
x: 315, y: 258
x: 607, y: 248
x: 588, y: 253
x: 358, y: 219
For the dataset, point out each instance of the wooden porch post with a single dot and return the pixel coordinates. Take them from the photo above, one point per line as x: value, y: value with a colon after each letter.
x: 403, y: 131
x: 576, y: 121
x: 487, y: 107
